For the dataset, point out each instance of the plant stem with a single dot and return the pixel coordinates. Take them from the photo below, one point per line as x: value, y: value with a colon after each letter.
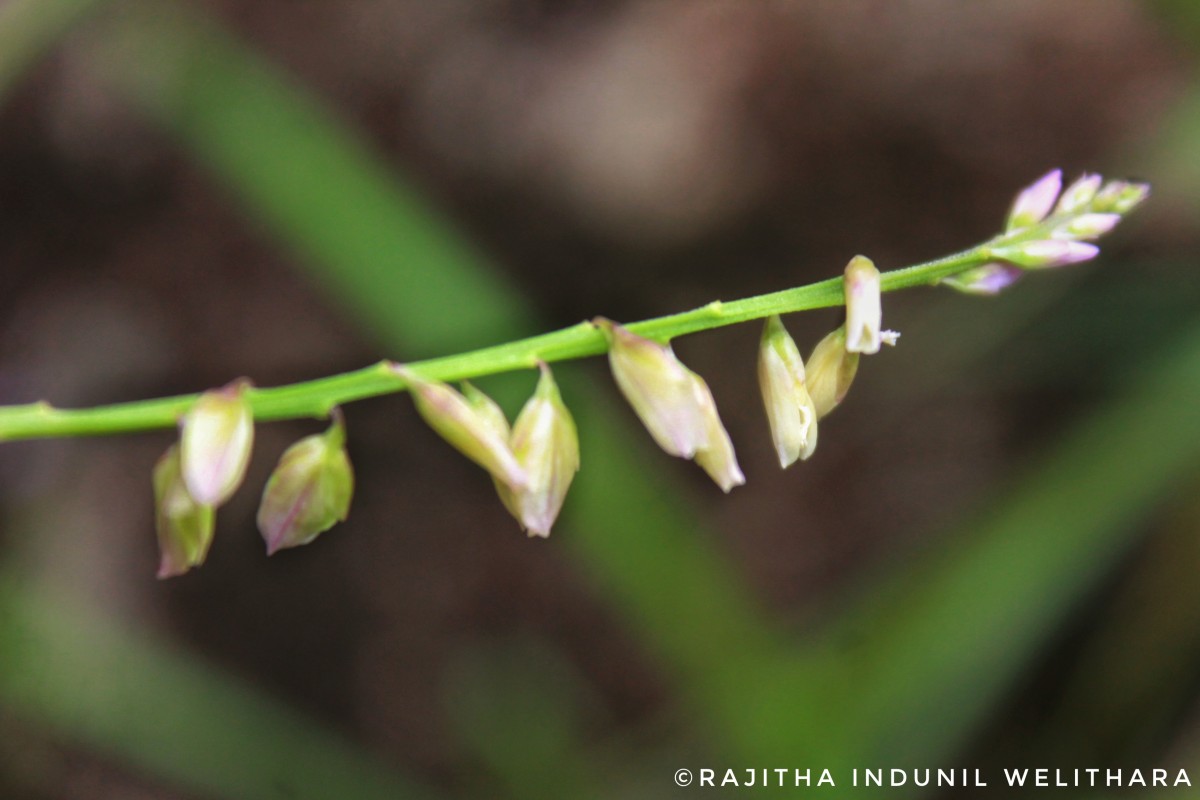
x: 316, y: 398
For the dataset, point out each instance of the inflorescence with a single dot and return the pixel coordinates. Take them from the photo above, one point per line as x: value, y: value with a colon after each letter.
x: 533, y: 461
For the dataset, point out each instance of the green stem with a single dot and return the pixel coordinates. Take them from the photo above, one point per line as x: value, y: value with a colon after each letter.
x: 316, y: 398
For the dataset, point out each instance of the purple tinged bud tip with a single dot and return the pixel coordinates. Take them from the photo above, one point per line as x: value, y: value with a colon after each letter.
x: 184, y: 527
x: 309, y: 492
x: 1034, y: 203
x: 988, y: 279
x: 215, y: 441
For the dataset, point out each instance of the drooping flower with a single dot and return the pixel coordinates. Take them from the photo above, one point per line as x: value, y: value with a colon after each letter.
x: 790, y: 410
x: 674, y: 403
x: 183, y: 525
x: 864, y: 309
x: 309, y: 492
x: 215, y: 441
x: 831, y: 370
x: 546, y: 445
x: 465, y: 427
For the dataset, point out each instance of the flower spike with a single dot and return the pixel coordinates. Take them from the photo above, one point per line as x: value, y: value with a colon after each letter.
x: 309, y: 491
x: 673, y: 402
x: 215, y: 441
x: 790, y: 410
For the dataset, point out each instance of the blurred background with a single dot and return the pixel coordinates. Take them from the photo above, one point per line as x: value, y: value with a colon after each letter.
x: 990, y: 561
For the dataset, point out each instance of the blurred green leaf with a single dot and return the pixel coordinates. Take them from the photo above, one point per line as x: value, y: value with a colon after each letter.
x: 134, y: 697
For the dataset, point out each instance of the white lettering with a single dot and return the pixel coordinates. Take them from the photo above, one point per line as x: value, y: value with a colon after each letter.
x: 1016, y: 777
x: 1183, y: 779
x: 706, y: 777
x: 826, y: 779
x: 729, y: 778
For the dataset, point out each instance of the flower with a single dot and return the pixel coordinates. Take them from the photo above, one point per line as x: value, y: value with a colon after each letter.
x: 309, y: 492
x: 1035, y: 202
x: 183, y: 525
x: 990, y: 278
x: 546, y: 445
x: 465, y: 427
x: 215, y: 441
x: 864, y: 311
x: 674, y: 403
x: 831, y: 370
x: 790, y: 410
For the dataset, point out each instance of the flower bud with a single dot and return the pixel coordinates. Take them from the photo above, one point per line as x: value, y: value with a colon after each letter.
x: 184, y: 527
x: 673, y: 402
x: 864, y: 311
x: 790, y: 410
x: 1086, y: 226
x: 1034, y: 203
x: 1120, y: 197
x: 218, y: 432
x: 987, y: 279
x: 1076, y: 197
x: 466, y: 427
x: 546, y: 445
x: 1046, y: 253
x: 309, y: 491
x: 831, y: 370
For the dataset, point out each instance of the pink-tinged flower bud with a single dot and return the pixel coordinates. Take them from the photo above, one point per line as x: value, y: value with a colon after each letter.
x: 1120, y: 197
x: 1078, y: 195
x: 1046, y: 253
x: 309, y: 491
x: 546, y: 445
x: 673, y: 402
x: 988, y: 279
x: 184, y: 527
x: 658, y: 387
x: 864, y: 310
x: 488, y: 410
x: 1034, y: 203
x: 465, y: 427
x: 831, y: 370
x: 1086, y: 226
x: 218, y: 432
x: 790, y: 409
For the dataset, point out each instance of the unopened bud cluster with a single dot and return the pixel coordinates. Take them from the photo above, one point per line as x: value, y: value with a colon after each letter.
x: 533, y: 461
x: 307, y: 494
x: 1050, y: 226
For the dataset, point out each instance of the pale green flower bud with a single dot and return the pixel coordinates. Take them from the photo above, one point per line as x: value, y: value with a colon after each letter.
x: 466, y: 427
x: 1120, y: 197
x: 831, y: 370
x: 488, y: 410
x: 864, y: 309
x: 309, y: 491
x: 545, y: 443
x: 1076, y: 197
x: 1086, y: 226
x: 790, y: 409
x: 673, y: 402
x: 218, y: 432
x: 184, y: 527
